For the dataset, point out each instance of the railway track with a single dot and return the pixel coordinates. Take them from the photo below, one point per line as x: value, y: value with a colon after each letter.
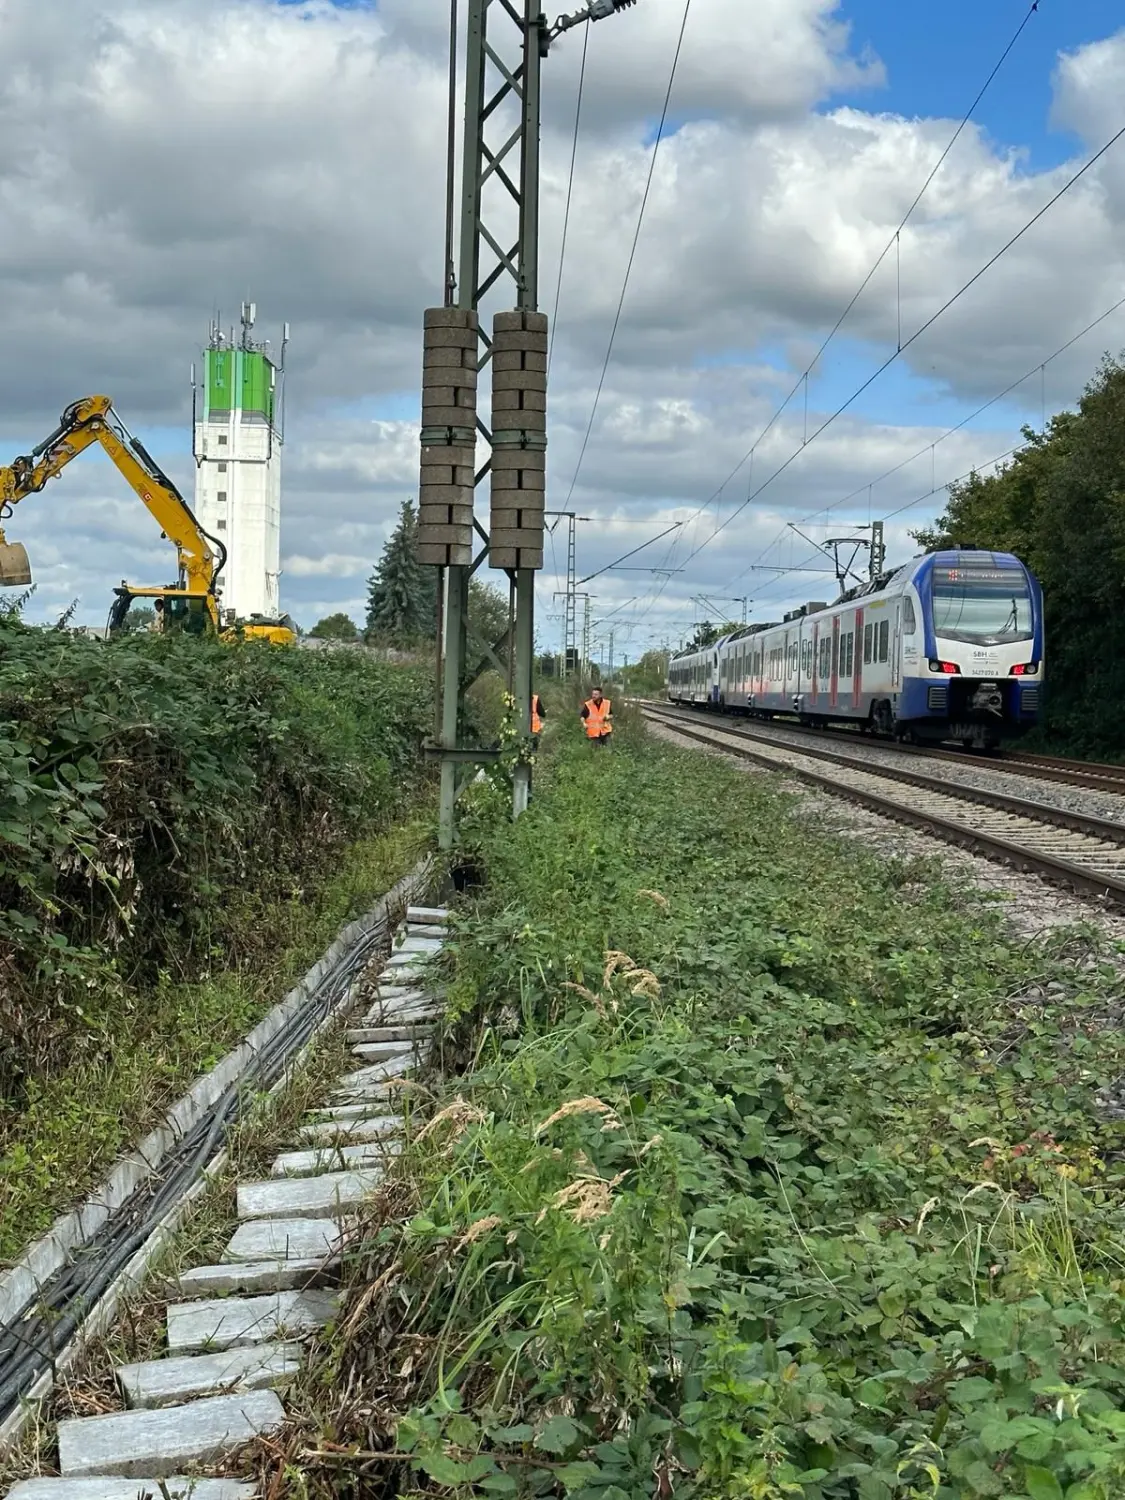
x: 1098, y: 776
x: 1068, y: 848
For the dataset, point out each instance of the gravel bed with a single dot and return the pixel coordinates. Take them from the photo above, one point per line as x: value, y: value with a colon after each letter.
x: 871, y: 754
x: 1030, y: 905
x: 1032, y: 909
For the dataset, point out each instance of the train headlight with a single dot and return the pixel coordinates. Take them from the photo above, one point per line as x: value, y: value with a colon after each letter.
x: 950, y: 668
x: 1025, y: 669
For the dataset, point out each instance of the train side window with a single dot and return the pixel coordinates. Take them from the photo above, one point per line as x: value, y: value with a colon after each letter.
x: 867, y: 645
x: 884, y: 640
x: 909, y: 622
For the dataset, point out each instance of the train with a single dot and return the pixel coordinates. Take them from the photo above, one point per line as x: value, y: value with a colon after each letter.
x: 948, y: 647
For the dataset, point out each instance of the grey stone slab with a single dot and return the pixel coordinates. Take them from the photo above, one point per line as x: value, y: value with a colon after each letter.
x: 375, y: 1073
x: 227, y: 1322
x: 116, y: 1487
x: 412, y: 943
x: 417, y: 1011
x: 357, y: 1132
x: 169, y: 1382
x: 359, y: 1035
x: 372, y: 1052
x: 257, y: 1276
x: 285, y: 1239
x: 322, y: 1197
x: 437, y: 915
x: 327, y: 1159
x: 166, y: 1440
x: 339, y: 1113
x: 425, y: 929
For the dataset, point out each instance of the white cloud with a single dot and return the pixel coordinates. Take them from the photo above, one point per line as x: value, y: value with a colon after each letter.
x: 161, y: 158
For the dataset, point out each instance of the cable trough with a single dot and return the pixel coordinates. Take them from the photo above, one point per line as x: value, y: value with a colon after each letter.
x: 83, y: 1287
x: 1085, y: 853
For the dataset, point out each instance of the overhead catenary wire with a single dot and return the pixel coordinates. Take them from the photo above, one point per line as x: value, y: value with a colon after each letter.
x: 914, y: 337
x: 893, y: 242
x: 569, y: 198
x: 1039, y: 366
x: 632, y: 251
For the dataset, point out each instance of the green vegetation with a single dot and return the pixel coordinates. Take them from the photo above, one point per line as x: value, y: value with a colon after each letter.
x: 337, y: 627
x: 648, y: 677
x: 182, y: 827
x: 402, y: 598
x: 776, y: 1171
x: 1057, y: 505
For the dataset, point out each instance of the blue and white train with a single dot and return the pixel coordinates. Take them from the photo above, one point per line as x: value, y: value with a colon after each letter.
x: 948, y: 647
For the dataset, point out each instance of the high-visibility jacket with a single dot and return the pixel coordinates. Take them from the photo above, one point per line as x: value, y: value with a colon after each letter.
x: 597, y: 719
x: 536, y: 714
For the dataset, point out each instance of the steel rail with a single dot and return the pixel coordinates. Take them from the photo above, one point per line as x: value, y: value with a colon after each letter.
x: 1090, y: 775
x: 1099, y: 884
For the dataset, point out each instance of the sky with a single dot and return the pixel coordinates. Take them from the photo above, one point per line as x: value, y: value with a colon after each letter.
x: 161, y: 160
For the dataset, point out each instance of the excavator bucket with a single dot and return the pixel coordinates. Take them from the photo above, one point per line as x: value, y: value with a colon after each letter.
x: 15, y: 569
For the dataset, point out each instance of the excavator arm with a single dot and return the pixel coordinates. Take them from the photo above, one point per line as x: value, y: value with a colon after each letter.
x: 92, y: 420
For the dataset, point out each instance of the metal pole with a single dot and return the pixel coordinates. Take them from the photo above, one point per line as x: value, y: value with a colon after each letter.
x: 457, y: 578
x: 524, y: 653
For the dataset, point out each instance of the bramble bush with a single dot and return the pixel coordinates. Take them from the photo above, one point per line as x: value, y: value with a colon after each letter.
x: 154, y: 796
x: 776, y: 1171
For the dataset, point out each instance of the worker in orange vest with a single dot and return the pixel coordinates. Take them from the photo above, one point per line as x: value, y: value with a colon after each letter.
x: 597, y: 716
x: 538, y: 714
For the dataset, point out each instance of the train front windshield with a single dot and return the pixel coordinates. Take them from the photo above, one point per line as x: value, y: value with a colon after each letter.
x: 989, y: 606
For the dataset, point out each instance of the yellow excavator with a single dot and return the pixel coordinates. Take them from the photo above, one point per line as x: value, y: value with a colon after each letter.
x: 190, y: 605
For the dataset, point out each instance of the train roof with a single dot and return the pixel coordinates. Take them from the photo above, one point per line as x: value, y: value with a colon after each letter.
x: 962, y: 556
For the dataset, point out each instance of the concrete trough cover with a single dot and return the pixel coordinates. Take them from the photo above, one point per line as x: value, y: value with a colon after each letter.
x: 229, y: 1322
x: 430, y: 915
x: 116, y: 1487
x: 380, y: 1072
x: 327, y: 1159
x: 257, y: 1276
x: 168, y: 1382
x: 382, y: 1128
x: 425, y: 929
x: 285, y: 1239
x: 362, y: 1035
x: 416, y: 944
x: 306, y: 1197
x: 155, y: 1443
x: 377, y: 1051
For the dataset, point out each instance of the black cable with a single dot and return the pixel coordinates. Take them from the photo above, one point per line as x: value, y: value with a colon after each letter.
x: 569, y: 196
x: 29, y: 1346
x: 894, y: 239
x: 926, y: 326
x: 632, y: 252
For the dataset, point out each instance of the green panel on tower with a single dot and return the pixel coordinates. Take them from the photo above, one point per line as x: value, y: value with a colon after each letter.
x: 219, y: 382
x: 257, y: 386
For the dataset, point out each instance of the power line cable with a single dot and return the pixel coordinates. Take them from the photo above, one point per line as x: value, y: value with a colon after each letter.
x: 632, y: 252
x: 914, y: 337
x: 895, y: 240
x: 1040, y: 365
x: 569, y: 196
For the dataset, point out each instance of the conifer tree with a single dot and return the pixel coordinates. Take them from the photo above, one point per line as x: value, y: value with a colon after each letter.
x: 401, y: 593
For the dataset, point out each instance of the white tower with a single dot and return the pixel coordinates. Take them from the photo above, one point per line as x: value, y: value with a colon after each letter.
x: 238, y: 441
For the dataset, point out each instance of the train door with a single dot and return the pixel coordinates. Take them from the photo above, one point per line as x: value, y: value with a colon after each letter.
x: 896, y: 647
x: 857, y: 680
x: 835, y: 666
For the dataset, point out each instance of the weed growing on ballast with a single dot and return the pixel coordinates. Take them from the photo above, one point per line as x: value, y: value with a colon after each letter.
x: 778, y: 1174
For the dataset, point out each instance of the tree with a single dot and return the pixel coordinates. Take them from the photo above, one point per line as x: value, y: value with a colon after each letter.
x: 401, y: 593
x: 707, y: 634
x: 140, y: 617
x: 337, y: 627
x: 1059, y: 505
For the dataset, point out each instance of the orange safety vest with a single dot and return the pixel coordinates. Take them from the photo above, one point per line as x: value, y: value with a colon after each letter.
x: 536, y: 720
x: 597, y: 720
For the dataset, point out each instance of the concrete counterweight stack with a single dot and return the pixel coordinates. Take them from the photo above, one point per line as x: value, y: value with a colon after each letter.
x: 449, y: 436
x: 519, y: 439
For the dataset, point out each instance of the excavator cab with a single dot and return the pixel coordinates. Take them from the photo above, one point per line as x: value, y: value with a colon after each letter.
x: 177, y: 611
